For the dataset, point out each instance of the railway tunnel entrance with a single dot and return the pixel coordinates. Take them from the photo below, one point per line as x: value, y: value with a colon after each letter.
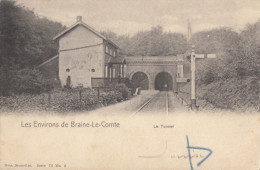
x: 140, y: 79
x: 163, y: 81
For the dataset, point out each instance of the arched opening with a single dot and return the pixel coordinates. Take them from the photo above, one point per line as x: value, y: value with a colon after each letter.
x: 140, y: 79
x: 163, y: 81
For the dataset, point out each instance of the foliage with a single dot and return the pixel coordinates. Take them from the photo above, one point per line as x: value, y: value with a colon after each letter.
x: 69, y: 100
x: 237, y: 54
x: 24, y: 102
x: 128, y: 82
x: 249, y: 60
x: 219, y: 40
x: 116, y: 93
x: 110, y: 97
x: 26, y: 37
x: 25, y: 40
x: 223, y: 42
x: 60, y: 100
x: 123, y: 89
x: 230, y: 81
x: 150, y: 43
x: 242, y: 96
x: 30, y: 81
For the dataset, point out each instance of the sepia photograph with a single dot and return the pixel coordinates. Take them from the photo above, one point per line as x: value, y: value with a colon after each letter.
x: 130, y: 84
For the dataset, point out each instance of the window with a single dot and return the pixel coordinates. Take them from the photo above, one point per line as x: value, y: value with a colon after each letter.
x: 114, y: 72
x: 106, y: 71
x: 107, y: 49
x: 110, y: 74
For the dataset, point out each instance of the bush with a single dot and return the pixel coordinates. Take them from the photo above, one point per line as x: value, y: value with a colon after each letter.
x: 111, y: 97
x: 65, y: 100
x: 24, y: 102
x: 130, y: 85
x: 57, y: 100
x: 30, y: 81
x: 60, y: 100
x: 123, y: 89
x: 120, y: 90
x: 69, y: 100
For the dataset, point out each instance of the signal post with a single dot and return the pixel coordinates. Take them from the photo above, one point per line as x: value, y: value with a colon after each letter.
x: 193, y: 74
x: 193, y: 80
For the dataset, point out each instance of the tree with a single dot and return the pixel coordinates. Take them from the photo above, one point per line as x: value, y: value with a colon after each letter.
x: 154, y: 42
x: 249, y: 60
x: 8, y: 32
x: 25, y: 40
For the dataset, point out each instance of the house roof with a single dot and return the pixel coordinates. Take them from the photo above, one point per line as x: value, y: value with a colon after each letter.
x: 86, y: 26
x: 116, y: 60
x: 47, y: 61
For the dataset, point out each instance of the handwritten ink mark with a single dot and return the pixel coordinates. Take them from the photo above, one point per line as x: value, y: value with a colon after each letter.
x: 199, y: 148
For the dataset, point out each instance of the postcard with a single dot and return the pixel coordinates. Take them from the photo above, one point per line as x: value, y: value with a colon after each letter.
x: 120, y: 84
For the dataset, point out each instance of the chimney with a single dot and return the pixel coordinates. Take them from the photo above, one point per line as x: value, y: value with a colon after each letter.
x: 79, y: 18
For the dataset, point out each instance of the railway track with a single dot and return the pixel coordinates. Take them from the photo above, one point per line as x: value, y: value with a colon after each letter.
x: 158, y: 103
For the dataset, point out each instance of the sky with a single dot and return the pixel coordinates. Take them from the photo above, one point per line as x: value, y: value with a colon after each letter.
x: 130, y: 16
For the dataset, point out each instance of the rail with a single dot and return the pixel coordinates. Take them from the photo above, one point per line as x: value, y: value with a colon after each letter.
x: 149, y: 101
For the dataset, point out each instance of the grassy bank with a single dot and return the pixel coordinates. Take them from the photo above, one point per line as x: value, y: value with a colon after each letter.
x: 233, y: 94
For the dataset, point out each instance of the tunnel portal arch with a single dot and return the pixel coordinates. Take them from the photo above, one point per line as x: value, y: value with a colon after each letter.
x: 140, y: 79
x: 163, y: 81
